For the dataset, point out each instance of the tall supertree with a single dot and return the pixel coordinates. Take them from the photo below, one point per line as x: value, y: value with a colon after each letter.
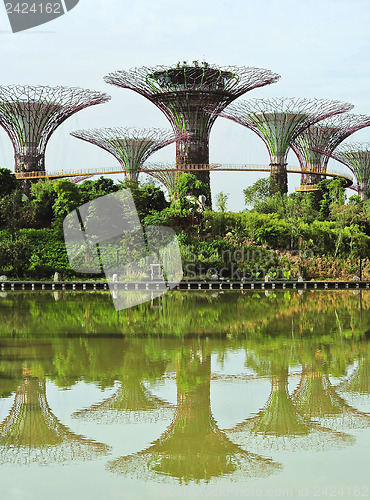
x: 131, y: 146
x: 30, y: 114
x: 314, y: 145
x: 183, y: 92
x: 278, y: 121
x: 356, y: 157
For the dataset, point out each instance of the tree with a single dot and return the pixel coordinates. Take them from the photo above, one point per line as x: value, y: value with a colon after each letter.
x: 148, y: 198
x: 68, y: 199
x: 332, y: 191
x: 221, y: 201
x: 16, y: 253
x: 8, y: 182
x: 89, y: 190
x: 43, y: 198
x: 258, y: 192
x: 189, y: 185
x: 11, y: 209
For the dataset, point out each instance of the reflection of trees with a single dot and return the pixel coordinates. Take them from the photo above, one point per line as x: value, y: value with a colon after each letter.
x: 181, y: 312
x: 357, y: 387
x: 280, y: 424
x: 32, y: 433
x: 193, y: 448
x: 140, y: 361
x: 132, y: 402
x: 316, y: 398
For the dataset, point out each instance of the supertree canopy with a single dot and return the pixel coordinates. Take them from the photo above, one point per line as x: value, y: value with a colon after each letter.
x: 278, y: 121
x: 314, y: 145
x: 184, y: 92
x: 131, y: 146
x: 356, y: 157
x: 30, y: 114
x: 164, y: 173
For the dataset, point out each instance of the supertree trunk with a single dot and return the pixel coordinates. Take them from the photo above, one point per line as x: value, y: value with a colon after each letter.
x: 279, y: 176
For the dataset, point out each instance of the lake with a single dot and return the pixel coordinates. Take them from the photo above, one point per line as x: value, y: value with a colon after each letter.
x: 192, y: 394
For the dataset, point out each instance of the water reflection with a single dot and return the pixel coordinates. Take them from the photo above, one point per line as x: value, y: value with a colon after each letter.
x: 282, y: 423
x: 133, y: 402
x: 317, y: 398
x: 193, y: 448
x: 183, y: 313
x: 32, y: 433
x: 314, y: 353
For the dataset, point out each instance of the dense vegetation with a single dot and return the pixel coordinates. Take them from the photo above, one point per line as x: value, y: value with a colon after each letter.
x: 318, y: 235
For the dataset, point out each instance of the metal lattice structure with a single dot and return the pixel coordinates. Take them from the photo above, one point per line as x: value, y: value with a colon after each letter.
x: 278, y: 121
x: 165, y: 173
x: 30, y: 114
x: 314, y: 145
x: 131, y: 146
x: 356, y: 156
x: 184, y: 92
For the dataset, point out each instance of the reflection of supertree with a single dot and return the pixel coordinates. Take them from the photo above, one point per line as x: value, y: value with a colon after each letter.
x: 32, y: 433
x: 357, y: 386
x: 357, y: 158
x: 193, y: 448
x: 183, y: 93
x: 132, y: 147
x: 316, y: 398
x: 359, y: 381
x: 31, y: 114
x: 132, y: 402
x: 280, y: 424
x: 278, y: 122
x: 311, y: 144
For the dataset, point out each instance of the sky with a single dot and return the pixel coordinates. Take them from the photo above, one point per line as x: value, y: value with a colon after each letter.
x: 319, y: 47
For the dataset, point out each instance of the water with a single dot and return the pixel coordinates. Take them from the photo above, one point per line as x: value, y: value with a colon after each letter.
x: 191, y: 395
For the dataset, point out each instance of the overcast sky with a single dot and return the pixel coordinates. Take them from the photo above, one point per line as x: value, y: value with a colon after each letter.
x: 319, y: 47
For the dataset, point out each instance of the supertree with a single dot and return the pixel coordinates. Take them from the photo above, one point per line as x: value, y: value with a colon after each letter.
x: 183, y: 92
x: 30, y: 114
x: 165, y: 173
x: 131, y: 146
x: 314, y: 145
x: 356, y: 156
x: 278, y: 121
